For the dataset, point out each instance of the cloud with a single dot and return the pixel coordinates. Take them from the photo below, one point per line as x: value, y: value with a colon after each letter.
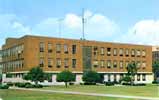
x: 143, y: 32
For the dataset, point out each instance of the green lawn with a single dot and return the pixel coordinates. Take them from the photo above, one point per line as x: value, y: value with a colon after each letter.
x: 30, y: 95
x: 148, y: 91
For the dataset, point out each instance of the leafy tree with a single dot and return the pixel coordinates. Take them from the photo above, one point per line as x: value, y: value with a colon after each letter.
x: 132, y: 71
x: 0, y: 78
x: 126, y: 79
x: 91, y: 77
x: 65, y: 76
x: 155, y: 69
x: 36, y: 75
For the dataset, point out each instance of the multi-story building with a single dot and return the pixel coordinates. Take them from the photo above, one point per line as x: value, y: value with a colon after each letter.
x: 57, y: 54
x: 155, y: 53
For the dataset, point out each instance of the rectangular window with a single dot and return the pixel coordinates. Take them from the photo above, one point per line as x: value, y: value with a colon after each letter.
x: 49, y: 47
x: 66, y: 62
x: 102, y: 51
x: 73, y: 63
x: 121, y: 52
x: 102, y: 63
x: 58, y: 48
x: 73, y: 49
x: 115, y: 64
x: 109, y: 78
x: 109, y: 64
x: 66, y: 48
x: 143, y: 64
x: 138, y: 77
x: 115, y: 52
x: 95, y: 63
x: 58, y: 62
x: 121, y: 64
x: 42, y: 47
x: 143, y: 53
x: 108, y: 51
x: 50, y: 62
x: 126, y: 63
x: 127, y: 52
x: 143, y: 77
x: 138, y: 53
x: 95, y: 49
x: 41, y: 63
x: 138, y: 64
x: 132, y: 53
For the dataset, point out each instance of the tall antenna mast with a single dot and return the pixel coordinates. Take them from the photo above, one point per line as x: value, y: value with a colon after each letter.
x: 83, y: 24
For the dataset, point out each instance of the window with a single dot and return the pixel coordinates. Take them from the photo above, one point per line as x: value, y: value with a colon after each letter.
x: 115, y: 78
x: 132, y: 53
x: 58, y: 48
x: 95, y: 50
x: 121, y: 76
x: 108, y: 51
x: 95, y: 63
x: 143, y: 53
x: 58, y: 62
x: 49, y: 47
x: 115, y: 52
x: 121, y: 64
x: 102, y: 51
x: 115, y: 64
x: 41, y: 46
x: 127, y: 52
x: 109, y: 64
x: 121, y: 52
x: 143, y: 77
x: 138, y: 53
x: 138, y: 64
x: 138, y: 77
x: 66, y: 62
x: 126, y: 64
x: 109, y: 78
x: 73, y: 49
x: 143, y: 64
x: 41, y: 62
x: 74, y: 63
x: 66, y: 48
x: 50, y: 62
x: 102, y: 63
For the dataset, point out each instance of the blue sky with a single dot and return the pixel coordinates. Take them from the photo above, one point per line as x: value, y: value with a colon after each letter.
x: 129, y: 21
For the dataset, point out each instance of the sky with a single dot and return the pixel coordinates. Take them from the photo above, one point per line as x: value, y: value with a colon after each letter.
x: 125, y: 21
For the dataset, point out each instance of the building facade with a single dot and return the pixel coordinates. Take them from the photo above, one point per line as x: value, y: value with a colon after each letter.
x: 57, y: 54
x: 155, y: 53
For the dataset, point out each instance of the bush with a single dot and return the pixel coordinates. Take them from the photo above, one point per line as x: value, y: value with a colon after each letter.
x: 109, y: 83
x: 10, y: 84
x: 125, y: 83
x: 4, y: 86
x: 89, y: 83
x: 71, y: 83
x: 139, y: 84
x: 38, y: 86
x: 81, y: 83
x: 154, y: 82
x: 29, y: 86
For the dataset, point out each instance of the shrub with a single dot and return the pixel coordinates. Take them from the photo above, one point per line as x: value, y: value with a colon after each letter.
x: 29, y: 86
x: 10, y: 84
x: 71, y: 83
x: 109, y: 83
x: 38, y: 86
x: 4, y: 86
x: 139, y: 84
x: 125, y: 83
x: 89, y: 83
x: 154, y: 82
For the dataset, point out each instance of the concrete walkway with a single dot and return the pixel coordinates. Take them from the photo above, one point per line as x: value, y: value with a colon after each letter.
x: 89, y: 94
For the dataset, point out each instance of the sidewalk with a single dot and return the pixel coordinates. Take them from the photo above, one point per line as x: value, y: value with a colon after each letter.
x: 89, y: 94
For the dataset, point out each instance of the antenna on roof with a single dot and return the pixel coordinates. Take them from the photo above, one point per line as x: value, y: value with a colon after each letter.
x: 83, y: 25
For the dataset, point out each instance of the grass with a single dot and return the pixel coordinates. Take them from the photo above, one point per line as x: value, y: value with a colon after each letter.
x: 31, y: 95
x: 148, y: 91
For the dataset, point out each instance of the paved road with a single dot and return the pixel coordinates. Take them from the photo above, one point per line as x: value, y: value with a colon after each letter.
x: 89, y: 94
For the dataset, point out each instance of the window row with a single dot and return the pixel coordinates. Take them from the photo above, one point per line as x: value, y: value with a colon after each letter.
x: 13, y: 51
x: 119, y: 52
x: 58, y: 62
x: 115, y: 64
x: 58, y: 48
x: 11, y: 66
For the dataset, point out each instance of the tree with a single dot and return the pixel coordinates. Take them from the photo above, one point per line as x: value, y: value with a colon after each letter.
x: 36, y: 75
x: 132, y: 71
x: 0, y: 78
x: 91, y: 77
x: 155, y: 69
x: 65, y: 76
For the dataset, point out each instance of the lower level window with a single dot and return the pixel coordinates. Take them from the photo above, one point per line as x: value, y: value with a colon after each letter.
x: 143, y: 77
